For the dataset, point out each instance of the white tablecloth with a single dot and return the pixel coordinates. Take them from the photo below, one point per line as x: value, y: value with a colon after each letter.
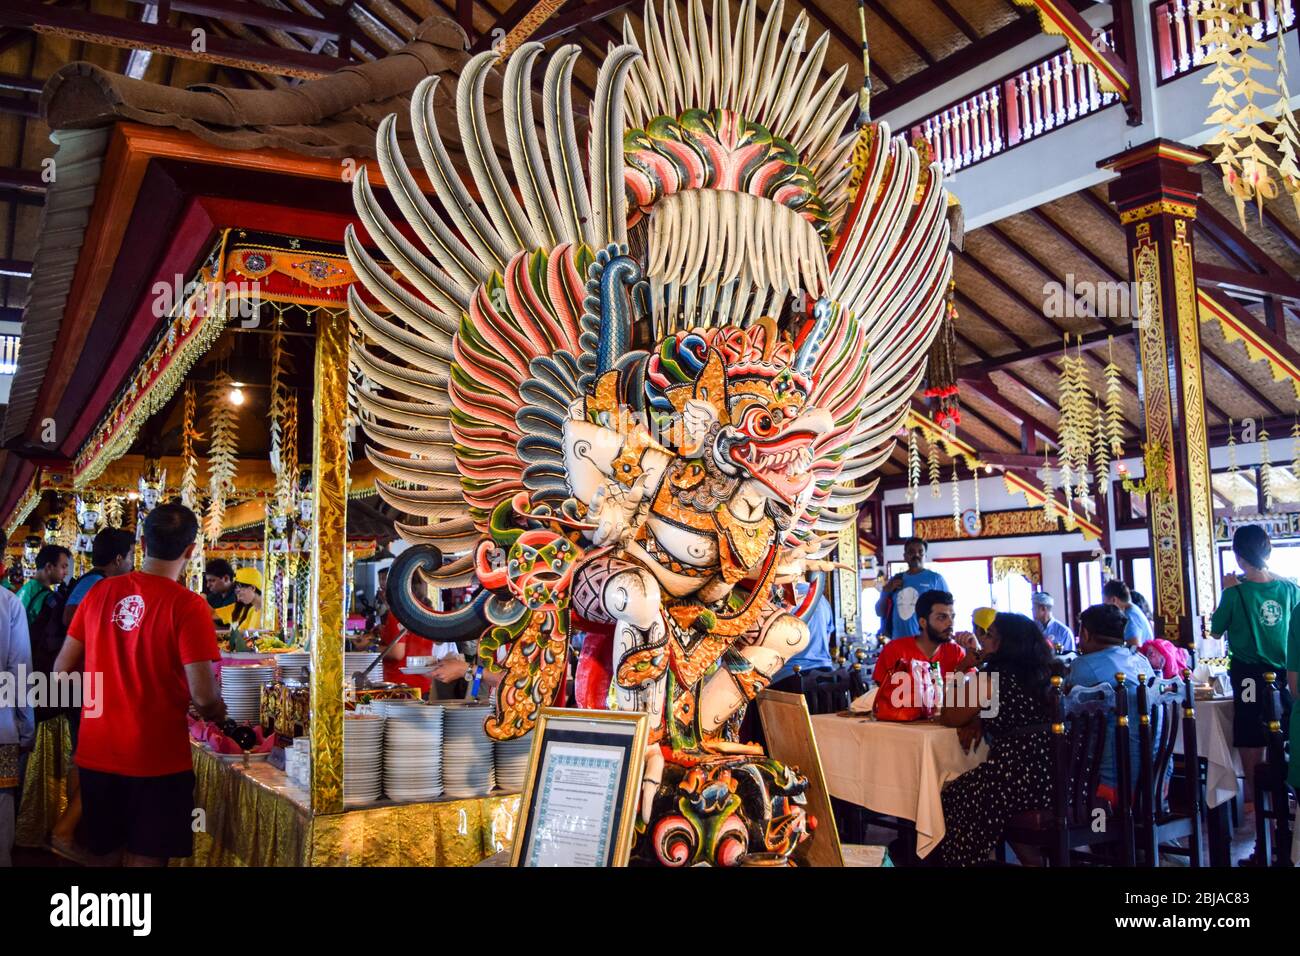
x: 893, y: 768
x: 1214, y: 744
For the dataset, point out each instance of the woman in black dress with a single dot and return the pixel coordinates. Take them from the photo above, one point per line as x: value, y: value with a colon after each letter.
x: 1017, y: 775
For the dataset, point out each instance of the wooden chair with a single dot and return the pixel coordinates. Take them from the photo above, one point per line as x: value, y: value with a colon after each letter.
x: 1165, y: 708
x: 1272, y: 793
x: 1079, y: 727
x: 832, y: 692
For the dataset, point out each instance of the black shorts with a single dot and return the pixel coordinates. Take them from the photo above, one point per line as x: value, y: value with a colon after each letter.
x: 147, y: 816
x: 1248, y: 726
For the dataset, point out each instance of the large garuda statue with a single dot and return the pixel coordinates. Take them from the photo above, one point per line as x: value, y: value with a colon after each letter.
x: 633, y: 376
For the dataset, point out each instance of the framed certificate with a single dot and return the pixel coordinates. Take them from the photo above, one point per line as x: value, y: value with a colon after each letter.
x: 580, y: 800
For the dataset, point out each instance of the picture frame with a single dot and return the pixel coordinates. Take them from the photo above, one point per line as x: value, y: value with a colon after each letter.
x: 582, y: 793
x: 787, y: 728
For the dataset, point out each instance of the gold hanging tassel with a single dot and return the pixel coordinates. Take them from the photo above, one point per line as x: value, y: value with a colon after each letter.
x: 975, y: 476
x: 1287, y: 130
x: 223, y: 454
x: 1265, y: 472
x: 1114, y: 433
x: 932, y: 451
x: 1101, y: 453
x: 956, y: 497
x: 913, y: 465
x: 1049, y: 494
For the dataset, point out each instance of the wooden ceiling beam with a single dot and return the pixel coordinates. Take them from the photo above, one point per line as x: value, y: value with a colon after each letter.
x: 851, y: 44
x: 1227, y: 233
x: 1074, y: 243
x: 1090, y: 340
x: 986, y: 388
x: 117, y: 32
x: 329, y: 26
x: 1020, y: 30
x: 904, y: 34
x: 1267, y: 404
x: 1282, y: 286
x: 957, y: 20
x: 1282, y: 231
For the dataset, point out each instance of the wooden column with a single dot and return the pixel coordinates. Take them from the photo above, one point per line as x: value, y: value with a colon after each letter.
x: 1156, y: 194
x: 329, y: 470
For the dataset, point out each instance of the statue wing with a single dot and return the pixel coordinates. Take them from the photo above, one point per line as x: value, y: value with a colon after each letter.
x: 471, y: 357
x: 889, y: 279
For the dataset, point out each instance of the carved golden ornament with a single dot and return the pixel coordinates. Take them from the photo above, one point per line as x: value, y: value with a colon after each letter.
x: 1028, y: 566
x: 1164, y: 207
x: 328, y: 557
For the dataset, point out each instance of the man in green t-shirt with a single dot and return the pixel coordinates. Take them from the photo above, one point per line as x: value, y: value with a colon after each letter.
x: 51, y: 568
x: 1257, y: 613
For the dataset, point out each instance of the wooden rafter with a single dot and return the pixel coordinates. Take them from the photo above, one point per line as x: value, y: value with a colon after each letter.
x: 133, y: 34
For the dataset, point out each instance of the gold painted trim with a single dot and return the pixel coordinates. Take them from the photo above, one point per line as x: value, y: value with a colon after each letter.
x: 1165, y: 207
x: 329, y: 462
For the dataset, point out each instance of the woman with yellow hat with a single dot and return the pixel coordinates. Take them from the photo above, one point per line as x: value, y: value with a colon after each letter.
x: 248, y: 600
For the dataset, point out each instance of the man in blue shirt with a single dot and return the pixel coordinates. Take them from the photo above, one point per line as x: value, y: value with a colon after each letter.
x: 1137, y: 629
x: 1103, y: 654
x: 1056, y: 632
x: 817, y: 653
x: 901, y: 593
x: 112, y: 553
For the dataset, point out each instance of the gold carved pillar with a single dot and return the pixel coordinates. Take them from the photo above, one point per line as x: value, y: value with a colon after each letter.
x: 1156, y: 195
x: 329, y: 469
x: 847, y: 591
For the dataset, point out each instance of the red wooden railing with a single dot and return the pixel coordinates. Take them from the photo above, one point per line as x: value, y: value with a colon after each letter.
x: 1044, y: 96
x: 1178, y: 31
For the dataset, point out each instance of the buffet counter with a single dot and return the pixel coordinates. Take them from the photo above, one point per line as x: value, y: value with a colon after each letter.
x: 253, y: 815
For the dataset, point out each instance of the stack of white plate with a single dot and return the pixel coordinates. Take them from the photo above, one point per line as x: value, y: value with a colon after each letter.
x: 354, y: 661
x: 412, y: 749
x: 467, y: 769
x: 511, y: 760
x: 241, y: 688
x: 293, y: 664
x: 363, y: 758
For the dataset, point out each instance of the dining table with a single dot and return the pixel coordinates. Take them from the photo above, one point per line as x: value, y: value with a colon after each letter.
x: 893, y: 768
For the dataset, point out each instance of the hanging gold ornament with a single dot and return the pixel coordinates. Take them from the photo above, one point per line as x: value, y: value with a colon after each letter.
x: 223, y: 460
x: 975, y: 476
x: 286, y: 479
x: 932, y: 451
x: 913, y: 465
x: 1287, y: 130
x: 1232, y: 450
x: 1265, y: 471
x: 1049, y: 494
x: 1101, y: 453
x: 956, y: 497
x: 1295, y: 449
x: 941, y: 366
x: 281, y: 366
x: 1229, y: 41
x: 1114, y: 432
x: 189, y: 435
x: 114, y: 511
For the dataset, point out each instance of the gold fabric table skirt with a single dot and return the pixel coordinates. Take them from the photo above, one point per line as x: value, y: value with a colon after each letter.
x: 251, y: 815
x: 45, y: 788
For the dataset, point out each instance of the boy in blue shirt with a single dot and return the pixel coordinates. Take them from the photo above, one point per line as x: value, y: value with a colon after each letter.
x: 1137, y: 629
x: 899, y: 597
x: 1103, y: 653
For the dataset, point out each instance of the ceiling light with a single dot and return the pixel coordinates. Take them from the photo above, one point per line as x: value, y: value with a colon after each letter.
x: 237, y: 393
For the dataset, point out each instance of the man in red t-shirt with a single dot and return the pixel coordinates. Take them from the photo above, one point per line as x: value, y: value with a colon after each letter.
x: 150, y: 643
x: 934, y: 614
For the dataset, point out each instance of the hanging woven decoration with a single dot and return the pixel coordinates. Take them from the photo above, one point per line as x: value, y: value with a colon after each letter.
x: 975, y: 476
x: 956, y: 496
x: 913, y: 465
x: 286, y: 479
x: 1295, y: 449
x: 189, y: 435
x: 281, y: 366
x: 1101, y: 452
x: 1076, y: 425
x: 223, y: 458
x: 1229, y: 43
x: 932, y: 450
x: 1265, y: 471
x: 1287, y: 130
x: 941, y: 368
x: 1233, y: 468
x: 1114, y: 432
